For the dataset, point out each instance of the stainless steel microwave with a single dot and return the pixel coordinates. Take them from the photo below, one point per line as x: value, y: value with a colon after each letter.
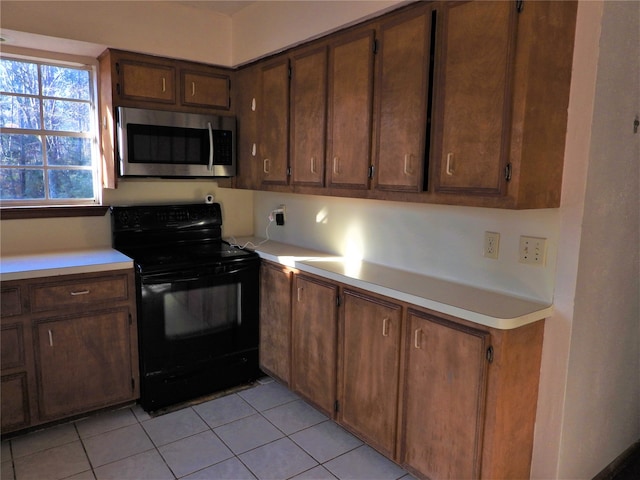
x: 155, y: 143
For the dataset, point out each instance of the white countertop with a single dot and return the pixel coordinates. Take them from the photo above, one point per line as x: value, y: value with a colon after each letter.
x: 49, y: 264
x: 484, y: 307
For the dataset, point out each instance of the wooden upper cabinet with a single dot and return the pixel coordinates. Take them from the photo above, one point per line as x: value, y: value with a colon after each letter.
x: 273, y: 123
x: 205, y: 89
x: 144, y: 81
x: 403, y: 81
x: 308, y: 116
x: 474, y: 99
x: 350, y: 107
x: 444, y: 397
x: 314, y: 341
x: 245, y: 97
x: 369, y: 376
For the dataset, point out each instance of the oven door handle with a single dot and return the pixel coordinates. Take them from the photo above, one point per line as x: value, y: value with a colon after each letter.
x: 173, y: 277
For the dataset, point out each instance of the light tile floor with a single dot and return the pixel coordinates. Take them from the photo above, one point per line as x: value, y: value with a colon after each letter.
x: 264, y: 432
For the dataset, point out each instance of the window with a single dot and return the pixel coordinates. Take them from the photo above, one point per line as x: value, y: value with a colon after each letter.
x: 48, y: 143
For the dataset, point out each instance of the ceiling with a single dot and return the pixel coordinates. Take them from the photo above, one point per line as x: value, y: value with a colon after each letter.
x: 220, y: 6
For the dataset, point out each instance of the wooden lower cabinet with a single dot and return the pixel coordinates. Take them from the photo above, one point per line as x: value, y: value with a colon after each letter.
x: 443, y: 397
x: 69, y: 346
x: 275, y: 320
x: 369, y: 358
x: 313, y: 341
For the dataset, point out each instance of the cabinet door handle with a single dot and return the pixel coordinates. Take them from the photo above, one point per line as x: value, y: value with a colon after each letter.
x: 450, y: 169
x: 265, y: 166
x: 193, y: 89
x: 253, y: 104
x: 336, y: 166
x: 408, y: 164
x: 417, y: 338
x: 300, y: 294
x: 385, y: 327
x: 80, y: 292
x: 253, y: 150
x: 164, y: 85
x: 313, y: 164
x: 50, y: 339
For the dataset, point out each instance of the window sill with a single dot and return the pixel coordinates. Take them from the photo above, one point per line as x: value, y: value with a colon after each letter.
x: 16, y: 213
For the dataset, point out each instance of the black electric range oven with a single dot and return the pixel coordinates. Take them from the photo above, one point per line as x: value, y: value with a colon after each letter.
x: 197, y: 301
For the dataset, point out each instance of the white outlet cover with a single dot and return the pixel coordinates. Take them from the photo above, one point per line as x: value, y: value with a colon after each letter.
x: 491, y: 245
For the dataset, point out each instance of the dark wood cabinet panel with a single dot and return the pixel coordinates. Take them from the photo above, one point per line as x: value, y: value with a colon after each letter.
x: 203, y: 89
x: 273, y: 108
x: 83, y: 362
x: 14, y: 412
x: 308, y: 116
x: 402, y: 94
x: 144, y: 81
x: 474, y: 97
x: 444, y: 397
x: 314, y: 337
x: 246, y: 93
x: 12, y: 354
x: 275, y: 320
x: 350, y: 98
x: 369, y: 368
x: 11, y: 301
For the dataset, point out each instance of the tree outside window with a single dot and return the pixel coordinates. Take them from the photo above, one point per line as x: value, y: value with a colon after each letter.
x: 47, y: 139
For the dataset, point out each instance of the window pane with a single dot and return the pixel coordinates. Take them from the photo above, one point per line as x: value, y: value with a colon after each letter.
x: 64, y: 82
x: 21, y: 184
x: 67, y: 116
x: 70, y: 184
x: 19, y: 112
x: 69, y: 151
x: 22, y: 150
x: 18, y: 77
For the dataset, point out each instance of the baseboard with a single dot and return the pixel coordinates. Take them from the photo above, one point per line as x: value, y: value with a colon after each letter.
x: 620, y: 463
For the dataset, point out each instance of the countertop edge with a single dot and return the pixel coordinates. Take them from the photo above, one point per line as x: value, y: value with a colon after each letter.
x: 303, y: 259
x: 51, y: 264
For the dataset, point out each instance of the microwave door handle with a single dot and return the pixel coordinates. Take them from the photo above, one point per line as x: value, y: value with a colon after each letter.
x: 210, y: 167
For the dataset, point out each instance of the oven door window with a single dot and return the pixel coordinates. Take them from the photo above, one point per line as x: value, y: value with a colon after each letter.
x: 200, y: 311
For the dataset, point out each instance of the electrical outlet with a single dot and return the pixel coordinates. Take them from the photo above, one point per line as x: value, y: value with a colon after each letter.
x: 491, y: 244
x: 278, y: 215
x: 532, y: 250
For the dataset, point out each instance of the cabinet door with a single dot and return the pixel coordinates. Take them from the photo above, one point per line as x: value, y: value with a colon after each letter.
x: 274, y: 122
x: 308, y: 116
x: 275, y: 320
x: 246, y: 88
x: 205, y: 90
x: 444, y: 397
x: 83, y: 362
x: 144, y: 81
x: 349, y: 109
x: 370, y: 355
x: 313, y: 367
x: 403, y: 76
x: 474, y: 106
x: 14, y: 402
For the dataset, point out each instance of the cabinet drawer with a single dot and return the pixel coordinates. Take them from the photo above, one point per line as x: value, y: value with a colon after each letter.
x: 12, y: 346
x: 56, y: 296
x: 10, y: 303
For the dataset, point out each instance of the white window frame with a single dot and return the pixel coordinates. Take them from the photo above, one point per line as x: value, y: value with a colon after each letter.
x: 62, y: 60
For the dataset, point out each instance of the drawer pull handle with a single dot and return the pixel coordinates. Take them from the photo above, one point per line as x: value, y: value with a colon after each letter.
x: 336, y: 166
x: 408, y: 164
x: 313, y: 164
x: 417, y: 337
x: 385, y: 327
x: 164, y: 85
x: 50, y: 339
x: 265, y: 166
x: 80, y: 292
x: 193, y: 89
x: 300, y: 294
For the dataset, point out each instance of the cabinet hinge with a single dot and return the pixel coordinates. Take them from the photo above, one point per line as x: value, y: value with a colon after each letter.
x: 507, y: 172
x: 133, y: 384
x: 336, y: 406
x: 490, y: 354
x: 288, y: 171
x: 118, y: 88
x: 130, y: 320
x: 118, y: 68
x: 375, y: 46
x: 290, y: 72
x: 519, y: 5
x: 338, y: 301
